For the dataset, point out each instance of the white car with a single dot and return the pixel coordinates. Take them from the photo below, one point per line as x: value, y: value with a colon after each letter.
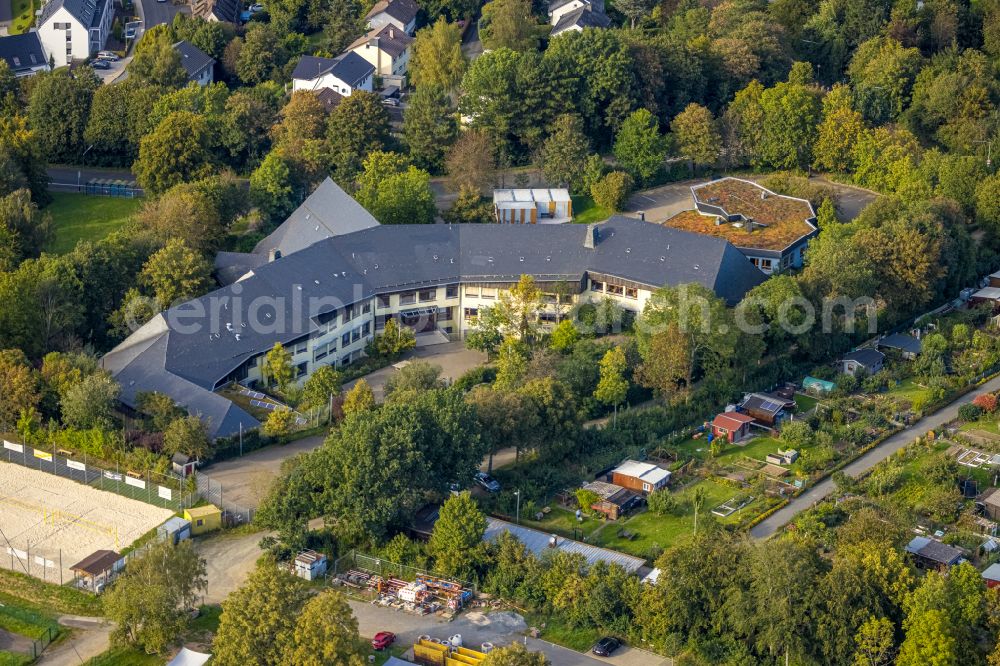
x: 107, y: 55
x: 256, y: 7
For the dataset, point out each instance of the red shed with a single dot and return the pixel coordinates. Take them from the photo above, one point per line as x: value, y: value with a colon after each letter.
x: 732, y: 425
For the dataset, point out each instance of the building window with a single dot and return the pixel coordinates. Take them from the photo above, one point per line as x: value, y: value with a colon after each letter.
x: 300, y: 369
x: 367, y: 328
x: 355, y: 335
x: 366, y: 307
x: 444, y: 314
x: 548, y: 317
x: 345, y: 360
x: 596, y: 286
x: 383, y: 302
x: 451, y: 291
x: 765, y: 265
x: 489, y: 292
x: 472, y: 291
x: 345, y: 339
x: 645, y: 487
x: 408, y: 298
x: 631, y: 292
x: 471, y: 313
x: 428, y: 295
x: 550, y: 299
x: 616, y: 289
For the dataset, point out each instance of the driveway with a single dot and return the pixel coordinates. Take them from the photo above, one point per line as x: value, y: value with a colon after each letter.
x: 824, y: 488
x: 229, y: 559
x: 453, y: 357
x: 153, y: 13
x: 91, y: 637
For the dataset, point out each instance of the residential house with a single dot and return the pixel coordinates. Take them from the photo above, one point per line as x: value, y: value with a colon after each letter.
x: 989, y: 503
x: 772, y: 230
x: 533, y: 206
x: 930, y: 553
x: 766, y: 409
x: 907, y: 346
x: 399, y: 13
x: 576, y: 15
x: 387, y: 49
x: 217, y: 11
x: 614, y: 501
x: 200, y: 66
x: 867, y: 361
x: 733, y: 426
x: 333, y: 277
x: 74, y: 29
x: 640, y: 476
x: 992, y: 576
x: 24, y: 54
x: 344, y: 74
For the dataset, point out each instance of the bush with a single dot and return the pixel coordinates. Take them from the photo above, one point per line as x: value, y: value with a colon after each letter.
x: 662, y: 503
x: 986, y: 402
x: 611, y: 191
x: 970, y: 412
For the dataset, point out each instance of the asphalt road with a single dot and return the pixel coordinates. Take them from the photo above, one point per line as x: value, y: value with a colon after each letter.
x: 824, y: 488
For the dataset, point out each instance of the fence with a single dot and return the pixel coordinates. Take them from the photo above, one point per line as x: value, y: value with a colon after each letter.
x: 384, y: 568
x: 167, y: 491
x: 40, y: 642
x: 44, y: 563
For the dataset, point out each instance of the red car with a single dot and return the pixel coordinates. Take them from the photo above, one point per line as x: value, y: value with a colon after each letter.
x: 383, y: 639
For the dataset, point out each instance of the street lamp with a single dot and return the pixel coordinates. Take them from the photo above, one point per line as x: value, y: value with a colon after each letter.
x: 517, y: 494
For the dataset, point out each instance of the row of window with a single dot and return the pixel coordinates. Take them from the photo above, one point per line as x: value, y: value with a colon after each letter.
x: 421, y: 296
x: 614, y: 289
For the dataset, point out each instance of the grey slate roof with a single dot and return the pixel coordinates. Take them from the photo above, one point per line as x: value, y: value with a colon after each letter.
x: 403, y: 11
x: 22, y: 52
x: 392, y: 40
x: 934, y: 550
x: 197, y: 344
x: 348, y: 67
x: 193, y: 59
x: 902, y: 342
x: 584, y: 17
x: 84, y: 11
x: 329, y: 211
x: 223, y: 10
x: 866, y: 357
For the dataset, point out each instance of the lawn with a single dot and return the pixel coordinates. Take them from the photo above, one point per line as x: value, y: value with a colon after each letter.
x: 909, y: 389
x: 557, y: 631
x: 803, y: 403
x: 126, y: 657
x: 17, y: 588
x: 24, y: 618
x: 653, y: 532
x: 77, y: 217
x: 586, y: 211
x: 14, y: 659
x: 563, y: 521
x: 23, y: 12
x: 756, y: 448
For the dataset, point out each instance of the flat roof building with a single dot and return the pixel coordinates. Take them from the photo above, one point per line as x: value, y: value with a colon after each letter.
x: 533, y: 206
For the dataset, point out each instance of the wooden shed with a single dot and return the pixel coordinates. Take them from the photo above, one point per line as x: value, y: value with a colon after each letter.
x: 204, y: 518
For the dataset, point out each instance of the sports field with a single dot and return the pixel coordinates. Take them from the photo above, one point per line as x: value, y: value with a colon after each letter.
x: 47, y: 519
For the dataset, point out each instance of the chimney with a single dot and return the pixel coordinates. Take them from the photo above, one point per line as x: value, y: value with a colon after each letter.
x: 392, y: 33
x: 642, y: 215
x: 553, y: 541
x: 273, y: 253
x: 593, y: 237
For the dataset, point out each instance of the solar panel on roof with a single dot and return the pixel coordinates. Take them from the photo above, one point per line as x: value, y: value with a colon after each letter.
x: 770, y: 405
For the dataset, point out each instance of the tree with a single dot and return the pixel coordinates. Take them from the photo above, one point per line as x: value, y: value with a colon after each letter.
x: 839, y: 131
x: 613, y: 386
x: 457, y: 540
x: 156, y: 61
x: 177, y: 151
x: 91, y: 403
x: 882, y: 72
x: 20, y: 383
x: 187, y: 435
x: 437, y: 59
x: 322, y: 385
x: 279, y: 423
x: 415, y: 376
x: 564, y: 153
x: 515, y: 654
x: 393, y: 340
x: 258, y: 621
x: 359, y: 399
x: 273, y: 187
x: 929, y: 640
x: 22, y: 163
x: 988, y: 202
x: 639, y: 147
x: 503, y: 418
x: 471, y: 162
x: 511, y: 362
x: 261, y: 54
x: 874, y: 642
x: 187, y: 215
x: 149, y: 602
x: 791, y: 115
x: 696, y: 135
x: 119, y: 118
x: 470, y: 207
x: 395, y: 194
x: 611, y: 192
x: 487, y: 334
x: 176, y: 273
x: 508, y: 24
x: 429, y: 127
x: 159, y: 407
x: 698, y: 498
x: 278, y: 367
x: 57, y: 110
x: 519, y: 307
x: 249, y: 116
x: 359, y: 125
x: 564, y: 336
x: 25, y: 228
x: 343, y: 23
x: 327, y: 633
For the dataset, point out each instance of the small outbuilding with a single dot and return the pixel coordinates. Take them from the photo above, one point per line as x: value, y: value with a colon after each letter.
x: 732, y: 426
x: 989, y: 503
x: 930, y: 553
x: 188, y: 657
x: 183, y: 465
x: 766, y: 409
x: 640, y: 477
x: 868, y: 361
x: 614, y: 501
x: 992, y: 576
x: 907, y: 346
x: 204, y: 518
x: 176, y: 529
x: 782, y: 457
x: 310, y: 565
x: 98, y: 569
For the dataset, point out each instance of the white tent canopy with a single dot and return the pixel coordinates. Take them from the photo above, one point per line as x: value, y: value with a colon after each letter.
x: 188, y: 657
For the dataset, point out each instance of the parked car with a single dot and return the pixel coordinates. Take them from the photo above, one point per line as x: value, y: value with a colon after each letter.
x: 107, y: 55
x: 606, y: 646
x: 256, y: 7
x: 487, y: 482
x: 391, y: 101
x: 383, y: 639
x: 100, y: 64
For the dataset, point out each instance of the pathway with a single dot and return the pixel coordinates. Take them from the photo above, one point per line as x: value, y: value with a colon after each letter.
x: 821, y: 490
x: 91, y: 637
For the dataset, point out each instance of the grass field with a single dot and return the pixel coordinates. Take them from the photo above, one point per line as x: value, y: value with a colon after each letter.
x: 77, y: 217
x: 20, y: 617
x: 23, y: 12
x: 586, y: 211
x: 804, y: 402
x: 17, y: 588
x: 126, y: 657
x: 14, y: 659
x: 909, y: 389
x: 563, y: 521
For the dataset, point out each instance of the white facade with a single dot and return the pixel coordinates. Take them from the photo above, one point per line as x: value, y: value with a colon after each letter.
x: 382, y: 19
x: 384, y: 63
x: 559, y: 12
x: 65, y: 38
x: 330, y: 81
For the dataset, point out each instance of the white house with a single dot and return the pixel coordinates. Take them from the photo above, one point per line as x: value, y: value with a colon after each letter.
x: 575, y: 15
x: 344, y: 74
x: 24, y: 54
x: 200, y: 66
x: 399, y: 13
x: 386, y: 48
x: 74, y: 29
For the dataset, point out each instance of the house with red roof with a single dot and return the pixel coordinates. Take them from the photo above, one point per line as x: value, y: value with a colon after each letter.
x: 734, y: 426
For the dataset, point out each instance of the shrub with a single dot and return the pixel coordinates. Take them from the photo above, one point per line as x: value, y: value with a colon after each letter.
x: 986, y: 402
x: 662, y: 503
x: 970, y: 412
x: 611, y: 191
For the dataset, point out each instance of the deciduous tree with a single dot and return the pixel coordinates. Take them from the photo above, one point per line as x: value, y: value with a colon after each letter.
x: 278, y: 366
x: 359, y: 398
x: 430, y: 126
x: 639, y: 147
x: 176, y: 273
x: 564, y: 153
x: 457, y: 540
x: 326, y: 632
x: 178, y: 150
x: 508, y: 24
x: 696, y: 135
x: 437, y: 59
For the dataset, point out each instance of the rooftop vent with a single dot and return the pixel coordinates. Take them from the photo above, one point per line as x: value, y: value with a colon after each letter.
x: 593, y: 237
